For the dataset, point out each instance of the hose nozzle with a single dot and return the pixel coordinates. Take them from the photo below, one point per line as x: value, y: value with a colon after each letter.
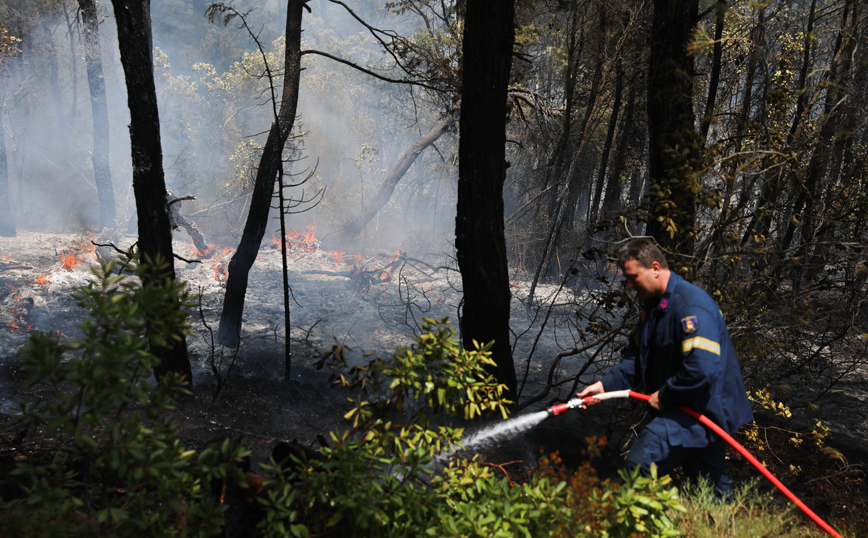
x: 556, y: 410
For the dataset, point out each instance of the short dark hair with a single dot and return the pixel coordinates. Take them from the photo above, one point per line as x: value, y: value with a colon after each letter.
x: 644, y: 251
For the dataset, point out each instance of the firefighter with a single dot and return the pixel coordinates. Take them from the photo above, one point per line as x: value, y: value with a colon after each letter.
x: 681, y: 354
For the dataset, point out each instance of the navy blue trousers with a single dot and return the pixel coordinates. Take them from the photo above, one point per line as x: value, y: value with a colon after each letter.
x: 708, y: 461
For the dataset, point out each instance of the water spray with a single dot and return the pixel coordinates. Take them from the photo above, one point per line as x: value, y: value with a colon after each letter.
x: 581, y: 403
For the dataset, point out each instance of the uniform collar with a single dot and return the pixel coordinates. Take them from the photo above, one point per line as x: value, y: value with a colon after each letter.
x: 665, y: 302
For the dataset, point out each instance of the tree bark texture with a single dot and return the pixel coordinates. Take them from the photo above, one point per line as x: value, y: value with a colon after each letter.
x: 479, y: 231
x: 149, y: 185
x: 714, y: 79
x: 628, y: 140
x: 229, y: 332
x: 607, y: 145
x: 397, y: 172
x: 673, y: 140
x: 99, y: 112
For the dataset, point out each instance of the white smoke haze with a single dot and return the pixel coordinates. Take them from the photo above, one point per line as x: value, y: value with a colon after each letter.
x: 215, y: 111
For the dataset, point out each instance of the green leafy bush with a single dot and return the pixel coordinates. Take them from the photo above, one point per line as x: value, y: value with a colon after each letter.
x: 120, y: 468
x: 379, y: 477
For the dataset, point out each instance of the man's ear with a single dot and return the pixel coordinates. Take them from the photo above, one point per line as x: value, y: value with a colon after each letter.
x: 655, y: 266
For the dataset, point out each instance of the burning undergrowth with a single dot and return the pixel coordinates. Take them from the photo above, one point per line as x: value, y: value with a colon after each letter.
x: 372, y: 304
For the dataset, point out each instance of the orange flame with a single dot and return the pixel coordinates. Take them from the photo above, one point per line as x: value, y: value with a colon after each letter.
x: 310, y: 236
x: 8, y: 258
x: 220, y: 272
x: 337, y: 257
x: 42, y: 280
x: 69, y: 261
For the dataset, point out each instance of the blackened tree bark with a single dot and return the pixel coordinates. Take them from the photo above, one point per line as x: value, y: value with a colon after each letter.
x: 479, y: 232
x: 628, y: 141
x: 149, y: 185
x: 673, y: 140
x: 716, y: 61
x: 607, y: 145
x: 99, y: 112
x: 397, y: 172
x: 229, y: 332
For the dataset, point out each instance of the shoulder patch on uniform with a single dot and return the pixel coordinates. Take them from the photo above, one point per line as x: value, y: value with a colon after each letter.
x: 689, y: 324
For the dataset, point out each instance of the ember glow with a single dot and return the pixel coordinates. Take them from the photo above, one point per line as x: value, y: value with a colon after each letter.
x: 69, y: 261
x: 337, y: 257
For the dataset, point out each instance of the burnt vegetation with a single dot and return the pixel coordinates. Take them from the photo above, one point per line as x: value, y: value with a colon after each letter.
x: 398, y: 163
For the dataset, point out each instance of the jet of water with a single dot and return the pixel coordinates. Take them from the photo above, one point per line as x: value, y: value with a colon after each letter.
x: 492, y: 436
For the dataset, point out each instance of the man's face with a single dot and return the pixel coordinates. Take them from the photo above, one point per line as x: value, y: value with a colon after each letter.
x: 645, y: 280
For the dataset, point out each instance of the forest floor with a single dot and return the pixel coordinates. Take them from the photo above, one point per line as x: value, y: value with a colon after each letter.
x: 373, y: 305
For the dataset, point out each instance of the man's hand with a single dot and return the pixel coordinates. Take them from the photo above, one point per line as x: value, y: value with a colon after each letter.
x: 655, y: 401
x: 592, y: 390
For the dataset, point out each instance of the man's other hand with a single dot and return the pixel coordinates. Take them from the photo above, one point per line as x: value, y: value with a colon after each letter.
x: 655, y: 401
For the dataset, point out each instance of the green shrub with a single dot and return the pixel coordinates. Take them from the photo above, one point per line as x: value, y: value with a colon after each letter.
x: 120, y: 468
x: 378, y: 478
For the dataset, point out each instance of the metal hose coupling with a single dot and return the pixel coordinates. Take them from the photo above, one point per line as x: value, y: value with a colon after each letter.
x: 556, y: 410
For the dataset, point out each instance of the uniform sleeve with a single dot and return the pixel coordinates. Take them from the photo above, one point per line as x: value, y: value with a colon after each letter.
x: 623, y: 375
x: 700, y: 348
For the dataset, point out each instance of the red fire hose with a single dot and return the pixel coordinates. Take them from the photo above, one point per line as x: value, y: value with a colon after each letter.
x: 705, y: 421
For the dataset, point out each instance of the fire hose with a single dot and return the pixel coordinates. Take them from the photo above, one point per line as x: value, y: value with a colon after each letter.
x: 580, y: 403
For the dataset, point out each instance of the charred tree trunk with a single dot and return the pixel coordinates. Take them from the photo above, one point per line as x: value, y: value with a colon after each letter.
x: 607, y: 147
x: 99, y: 111
x: 627, y: 141
x: 714, y: 78
x: 489, y: 35
x: 398, y: 171
x: 155, y: 233
x: 575, y: 181
x: 673, y: 140
x: 229, y: 332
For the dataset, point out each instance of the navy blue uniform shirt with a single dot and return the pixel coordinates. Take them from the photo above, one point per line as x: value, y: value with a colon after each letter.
x: 682, y: 348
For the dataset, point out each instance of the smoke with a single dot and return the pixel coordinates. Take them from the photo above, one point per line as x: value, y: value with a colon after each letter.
x: 214, y: 112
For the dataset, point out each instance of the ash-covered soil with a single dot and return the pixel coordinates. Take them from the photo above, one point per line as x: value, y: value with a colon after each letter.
x: 372, y: 304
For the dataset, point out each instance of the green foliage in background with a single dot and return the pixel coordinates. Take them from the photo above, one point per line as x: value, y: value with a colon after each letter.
x: 120, y: 469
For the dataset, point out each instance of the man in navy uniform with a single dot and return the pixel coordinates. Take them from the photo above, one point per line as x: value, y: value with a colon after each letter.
x: 681, y: 354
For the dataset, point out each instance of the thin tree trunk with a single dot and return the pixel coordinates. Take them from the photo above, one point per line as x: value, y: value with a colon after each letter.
x: 99, y: 111
x: 155, y: 232
x: 574, y: 177
x: 398, y: 171
x: 626, y: 142
x: 480, y: 245
x: 716, y: 61
x: 229, y: 331
x: 607, y: 146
